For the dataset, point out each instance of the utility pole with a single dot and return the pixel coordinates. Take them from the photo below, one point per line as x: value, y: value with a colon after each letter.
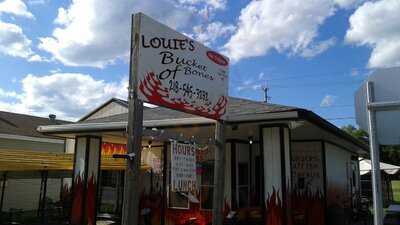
x: 130, y: 211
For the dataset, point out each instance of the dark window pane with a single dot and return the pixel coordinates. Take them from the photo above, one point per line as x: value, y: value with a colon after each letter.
x: 206, y: 197
x: 243, y: 197
x: 108, y: 178
x: 207, y: 175
x: 243, y: 173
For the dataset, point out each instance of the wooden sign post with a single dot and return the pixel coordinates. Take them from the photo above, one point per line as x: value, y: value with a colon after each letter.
x: 219, y: 174
x: 130, y: 211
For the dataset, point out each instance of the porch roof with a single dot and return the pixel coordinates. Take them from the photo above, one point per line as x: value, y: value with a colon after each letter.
x: 239, y: 111
x: 20, y: 160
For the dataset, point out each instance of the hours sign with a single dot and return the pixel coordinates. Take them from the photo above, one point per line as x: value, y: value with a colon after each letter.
x: 177, y: 72
x: 183, y: 167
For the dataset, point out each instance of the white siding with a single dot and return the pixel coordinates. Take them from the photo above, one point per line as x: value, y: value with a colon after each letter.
x: 109, y: 110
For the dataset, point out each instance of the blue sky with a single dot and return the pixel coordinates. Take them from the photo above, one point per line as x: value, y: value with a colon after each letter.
x: 67, y: 57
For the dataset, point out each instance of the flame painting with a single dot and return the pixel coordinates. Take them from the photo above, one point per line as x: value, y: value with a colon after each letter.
x: 274, y: 209
x: 151, y: 87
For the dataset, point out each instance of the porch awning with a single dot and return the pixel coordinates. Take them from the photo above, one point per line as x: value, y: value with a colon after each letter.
x: 365, y: 167
x: 17, y: 160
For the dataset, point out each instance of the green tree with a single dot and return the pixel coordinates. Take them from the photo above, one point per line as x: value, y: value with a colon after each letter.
x: 355, y: 132
x: 389, y: 153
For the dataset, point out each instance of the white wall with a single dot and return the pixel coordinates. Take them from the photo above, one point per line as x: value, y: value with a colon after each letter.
x: 338, y: 181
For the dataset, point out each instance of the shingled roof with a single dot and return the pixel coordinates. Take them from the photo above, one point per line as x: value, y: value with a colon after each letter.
x: 236, y: 107
x: 239, y: 110
x: 25, y: 125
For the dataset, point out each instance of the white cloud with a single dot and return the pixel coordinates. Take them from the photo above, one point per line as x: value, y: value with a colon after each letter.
x: 205, y: 8
x: 38, y: 58
x: 210, y: 33
x: 252, y: 84
x: 68, y: 95
x: 215, y: 4
x: 318, y: 48
x: 347, y: 4
x: 97, y: 32
x: 13, y: 41
x: 283, y: 25
x: 7, y: 94
x: 328, y: 101
x: 37, y: 2
x: 57, y: 70
x: 249, y: 87
x: 261, y: 76
x: 377, y: 25
x: 15, y: 7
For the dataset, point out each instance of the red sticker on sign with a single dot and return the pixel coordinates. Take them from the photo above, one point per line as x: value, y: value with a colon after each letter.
x: 217, y: 58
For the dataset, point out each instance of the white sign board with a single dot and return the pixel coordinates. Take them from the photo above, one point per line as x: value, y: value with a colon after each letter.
x: 386, y: 84
x: 177, y: 72
x: 183, y: 167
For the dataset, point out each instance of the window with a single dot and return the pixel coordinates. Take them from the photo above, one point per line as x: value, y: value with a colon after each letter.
x: 108, y: 178
x: 242, y: 175
x: 257, y: 193
x: 243, y: 184
x: 207, y: 185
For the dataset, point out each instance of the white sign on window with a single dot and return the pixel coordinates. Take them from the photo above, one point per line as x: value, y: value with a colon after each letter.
x: 177, y: 72
x: 183, y: 167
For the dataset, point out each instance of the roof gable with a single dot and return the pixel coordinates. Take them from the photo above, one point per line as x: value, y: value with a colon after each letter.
x: 113, y: 106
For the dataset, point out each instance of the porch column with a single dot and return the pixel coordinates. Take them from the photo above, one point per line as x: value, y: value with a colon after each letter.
x: 85, y: 180
x: 275, y: 144
x: 3, y: 189
x: 228, y: 180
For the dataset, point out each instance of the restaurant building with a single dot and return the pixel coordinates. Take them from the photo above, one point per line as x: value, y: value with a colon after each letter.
x: 284, y: 165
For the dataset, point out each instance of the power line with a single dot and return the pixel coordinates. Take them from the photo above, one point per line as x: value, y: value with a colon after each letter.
x: 316, y: 84
x: 333, y: 75
x: 329, y: 107
x: 341, y: 118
